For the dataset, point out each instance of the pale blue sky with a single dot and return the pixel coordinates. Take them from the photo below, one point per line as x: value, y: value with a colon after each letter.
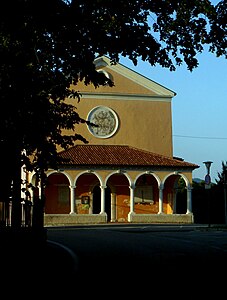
x: 199, y: 110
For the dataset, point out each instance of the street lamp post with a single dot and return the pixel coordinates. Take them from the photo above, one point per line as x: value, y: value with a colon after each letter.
x: 208, y: 186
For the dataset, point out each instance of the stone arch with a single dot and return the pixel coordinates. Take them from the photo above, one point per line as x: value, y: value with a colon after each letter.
x: 187, y: 182
x: 119, y: 183
x: 119, y: 172
x: 57, y: 193
x: 88, y: 172
x: 175, y: 195
x: 146, y: 193
x: 85, y: 183
x: 61, y: 172
x: 151, y: 174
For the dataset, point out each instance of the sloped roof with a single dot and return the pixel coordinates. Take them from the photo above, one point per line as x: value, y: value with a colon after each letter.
x: 118, y: 155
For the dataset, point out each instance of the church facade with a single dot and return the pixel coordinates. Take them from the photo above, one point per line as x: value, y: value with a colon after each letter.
x: 127, y: 171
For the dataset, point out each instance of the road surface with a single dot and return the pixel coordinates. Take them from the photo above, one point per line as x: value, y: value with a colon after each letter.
x: 181, y: 261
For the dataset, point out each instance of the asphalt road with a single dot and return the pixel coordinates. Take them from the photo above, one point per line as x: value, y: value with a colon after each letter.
x: 116, y: 261
x: 186, y: 262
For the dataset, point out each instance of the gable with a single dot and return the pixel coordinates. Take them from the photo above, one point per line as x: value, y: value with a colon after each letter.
x: 137, y: 110
x: 126, y: 83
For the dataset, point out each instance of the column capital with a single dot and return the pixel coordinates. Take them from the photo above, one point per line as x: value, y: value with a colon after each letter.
x: 132, y: 186
x: 72, y: 186
x: 161, y: 186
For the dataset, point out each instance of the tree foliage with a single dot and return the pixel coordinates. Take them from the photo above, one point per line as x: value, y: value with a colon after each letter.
x: 45, y: 46
x: 222, y: 176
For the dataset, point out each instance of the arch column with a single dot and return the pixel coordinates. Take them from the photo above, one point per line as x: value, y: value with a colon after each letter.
x: 113, y: 207
x: 160, y: 202
x: 189, y: 200
x: 132, y: 202
x: 102, y: 187
x: 39, y: 190
x: 72, y: 199
x: 132, y: 193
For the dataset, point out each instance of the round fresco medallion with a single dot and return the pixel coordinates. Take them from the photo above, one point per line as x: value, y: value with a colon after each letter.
x: 105, y: 119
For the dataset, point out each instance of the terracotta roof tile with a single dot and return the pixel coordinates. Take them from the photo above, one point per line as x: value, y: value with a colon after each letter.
x: 117, y: 155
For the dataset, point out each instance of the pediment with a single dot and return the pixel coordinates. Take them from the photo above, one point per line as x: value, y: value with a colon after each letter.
x: 126, y: 82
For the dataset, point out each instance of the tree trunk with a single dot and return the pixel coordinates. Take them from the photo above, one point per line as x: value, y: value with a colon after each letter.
x: 16, y: 190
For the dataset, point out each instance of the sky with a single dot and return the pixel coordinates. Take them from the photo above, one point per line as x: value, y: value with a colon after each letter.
x: 199, y: 110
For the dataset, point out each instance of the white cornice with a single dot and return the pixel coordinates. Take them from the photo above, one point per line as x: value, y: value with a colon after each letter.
x: 124, y: 97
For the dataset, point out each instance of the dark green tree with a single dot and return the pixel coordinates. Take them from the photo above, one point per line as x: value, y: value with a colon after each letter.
x: 221, y: 191
x: 222, y: 176
x: 45, y: 46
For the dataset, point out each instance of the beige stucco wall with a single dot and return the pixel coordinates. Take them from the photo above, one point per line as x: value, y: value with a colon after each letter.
x: 144, y: 125
x: 145, y: 116
x: 122, y: 85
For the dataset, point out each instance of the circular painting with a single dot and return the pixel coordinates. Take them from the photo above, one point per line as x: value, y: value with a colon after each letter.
x: 105, y: 119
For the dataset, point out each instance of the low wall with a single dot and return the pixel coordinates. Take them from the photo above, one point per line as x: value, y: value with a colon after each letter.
x: 161, y: 218
x: 73, y: 219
